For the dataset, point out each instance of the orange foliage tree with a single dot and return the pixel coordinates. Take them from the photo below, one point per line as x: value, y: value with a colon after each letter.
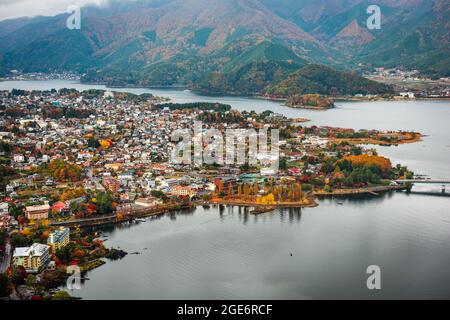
x: 364, y: 160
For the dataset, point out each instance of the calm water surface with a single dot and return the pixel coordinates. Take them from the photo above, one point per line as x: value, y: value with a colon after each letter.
x: 209, y: 253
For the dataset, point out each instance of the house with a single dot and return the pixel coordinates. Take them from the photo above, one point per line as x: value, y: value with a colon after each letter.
x: 148, y: 202
x: 50, y: 182
x: 294, y: 171
x: 125, y: 175
x: 108, y: 95
x: 5, y: 221
x: 409, y: 95
x: 111, y: 184
x: 10, y: 188
x: 316, y: 141
x: 60, y: 208
x: 38, y: 212
x: 183, y: 191
x: 19, y: 158
x: 4, y: 206
x: 268, y: 172
x: 161, y: 169
x: 58, y: 239
x: 33, y: 259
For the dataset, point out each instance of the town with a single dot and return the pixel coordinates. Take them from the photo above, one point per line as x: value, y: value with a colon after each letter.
x: 71, y: 159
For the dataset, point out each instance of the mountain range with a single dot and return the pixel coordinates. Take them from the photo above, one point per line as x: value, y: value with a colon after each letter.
x: 235, y: 46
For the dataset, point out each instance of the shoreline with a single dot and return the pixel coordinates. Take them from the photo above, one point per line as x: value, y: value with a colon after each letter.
x: 313, y: 204
x: 369, y: 190
x: 418, y: 137
x: 234, y: 94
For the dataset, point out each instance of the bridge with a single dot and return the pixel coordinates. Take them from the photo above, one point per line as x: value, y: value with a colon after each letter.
x: 429, y: 181
x: 443, y: 183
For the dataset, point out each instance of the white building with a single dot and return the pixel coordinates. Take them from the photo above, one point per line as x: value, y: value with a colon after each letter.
x: 409, y: 95
x: 4, y: 208
x: 148, y: 202
x: 33, y: 259
x: 19, y: 158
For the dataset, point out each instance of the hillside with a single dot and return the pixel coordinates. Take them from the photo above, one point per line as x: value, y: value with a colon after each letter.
x: 326, y: 81
x: 142, y: 35
x: 232, y: 45
x: 416, y: 38
x: 310, y: 101
x: 251, y: 72
x: 268, y: 74
x: 414, y: 33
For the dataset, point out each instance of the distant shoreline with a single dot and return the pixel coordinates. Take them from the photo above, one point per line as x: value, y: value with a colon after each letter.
x: 352, y: 192
x: 235, y: 94
x: 281, y: 205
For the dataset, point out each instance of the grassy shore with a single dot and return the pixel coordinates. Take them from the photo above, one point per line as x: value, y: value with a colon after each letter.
x: 408, y: 137
x: 350, y: 192
x: 311, y: 204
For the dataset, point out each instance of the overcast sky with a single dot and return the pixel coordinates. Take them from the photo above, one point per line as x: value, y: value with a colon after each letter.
x: 22, y: 8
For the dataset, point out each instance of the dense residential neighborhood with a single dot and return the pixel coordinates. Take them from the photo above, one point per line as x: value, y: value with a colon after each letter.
x: 72, y: 159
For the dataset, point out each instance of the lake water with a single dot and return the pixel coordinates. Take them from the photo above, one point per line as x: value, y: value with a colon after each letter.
x: 209, y: 254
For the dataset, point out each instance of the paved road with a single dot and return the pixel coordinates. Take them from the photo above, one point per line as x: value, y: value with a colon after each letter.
x: 6, y: 259
x: 69, y: 222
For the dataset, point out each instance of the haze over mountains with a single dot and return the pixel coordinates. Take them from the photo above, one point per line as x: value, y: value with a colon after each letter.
x: 228, y: 43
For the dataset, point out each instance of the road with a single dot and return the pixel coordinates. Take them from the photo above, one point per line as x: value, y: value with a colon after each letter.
x: 6, y: 258
x: 71, y: 222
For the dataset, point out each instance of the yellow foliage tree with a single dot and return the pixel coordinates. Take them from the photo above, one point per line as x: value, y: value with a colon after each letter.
x: 367, y: 160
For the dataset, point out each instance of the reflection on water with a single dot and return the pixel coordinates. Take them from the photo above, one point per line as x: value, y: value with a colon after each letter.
x: 312, y: 253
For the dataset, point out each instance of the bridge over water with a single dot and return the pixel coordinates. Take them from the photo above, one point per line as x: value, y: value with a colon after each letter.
x: 428, y: 181
x: 443, y: 183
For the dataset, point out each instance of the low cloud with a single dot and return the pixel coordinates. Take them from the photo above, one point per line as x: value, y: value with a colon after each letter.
x: 29, y: 8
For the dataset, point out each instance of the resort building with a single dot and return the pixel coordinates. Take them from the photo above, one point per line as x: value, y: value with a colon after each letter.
x: 183, y: 191
x: 39, y: 212
x: 148, y: 202
x: 58, y: 239
x: 111, y: 184
x: 33, y: 259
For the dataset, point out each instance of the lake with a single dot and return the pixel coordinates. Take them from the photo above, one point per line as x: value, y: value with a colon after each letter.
x: 229, y: 254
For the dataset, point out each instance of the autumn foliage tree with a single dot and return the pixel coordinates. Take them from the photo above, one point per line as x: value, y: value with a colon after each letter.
x: 62, y: 170
x: 72, y: 194
x: 364, y: 160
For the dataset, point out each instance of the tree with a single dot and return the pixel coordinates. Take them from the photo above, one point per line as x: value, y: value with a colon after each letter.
x: 78, y: 208
x: 65, y: 254
x: 328, y: 166
x: 19, y: 240
x: 364, y: 160
x: 16, y: 210
x: 104, y: 203
x: 5, y: 283
x: 255, y: 187
x: 62, y: 170
x: 93, y: 143
x: 349, y: 181
x: 283, y: 164
x: 230, y: 190
x: 72, y: 194
x: 18, y: 275
x: 158, y: 194
x: 61, y: 295
x: 31, y: 281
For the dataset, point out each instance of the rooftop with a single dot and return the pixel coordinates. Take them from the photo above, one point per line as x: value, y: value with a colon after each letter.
x: 35, y: 250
